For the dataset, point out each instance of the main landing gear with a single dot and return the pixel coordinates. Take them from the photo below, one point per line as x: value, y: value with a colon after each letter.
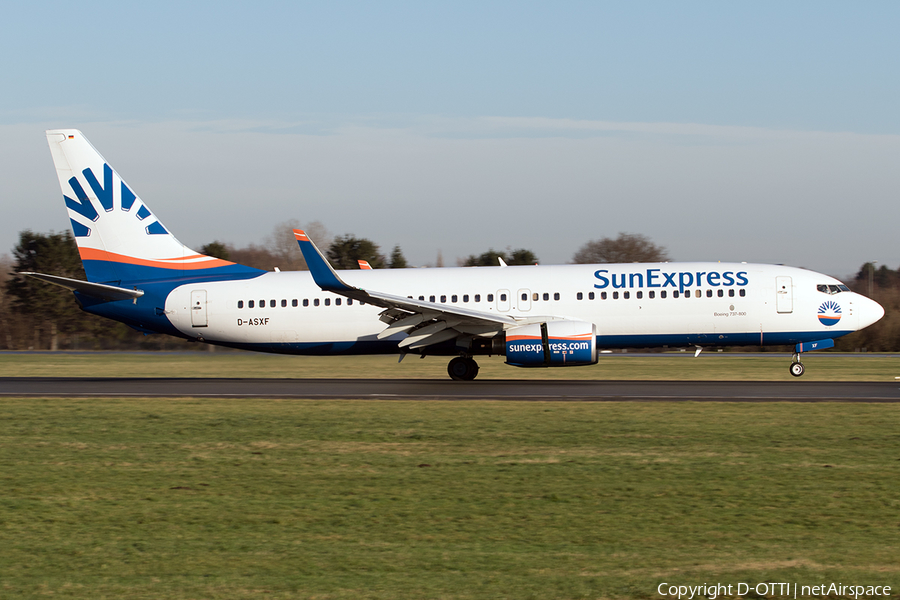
x: 462, y: 368
x: 797, y: 368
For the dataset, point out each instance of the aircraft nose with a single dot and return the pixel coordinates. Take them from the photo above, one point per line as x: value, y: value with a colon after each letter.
x: 868, y: 311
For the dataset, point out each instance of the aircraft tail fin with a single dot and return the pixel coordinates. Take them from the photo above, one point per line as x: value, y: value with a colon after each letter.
x: 119, y: 239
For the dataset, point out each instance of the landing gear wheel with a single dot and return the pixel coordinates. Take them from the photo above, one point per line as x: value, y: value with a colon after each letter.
x: 797, y: 369
x: 462, y: 369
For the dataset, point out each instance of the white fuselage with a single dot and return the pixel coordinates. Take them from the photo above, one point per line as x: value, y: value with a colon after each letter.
x: 632, y: 305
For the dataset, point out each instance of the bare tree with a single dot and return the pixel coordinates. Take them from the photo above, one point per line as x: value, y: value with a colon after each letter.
x: 283, y: 245
x: 626, y: 248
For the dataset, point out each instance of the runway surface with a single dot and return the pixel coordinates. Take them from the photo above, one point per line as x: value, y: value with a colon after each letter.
x: 419, y: 389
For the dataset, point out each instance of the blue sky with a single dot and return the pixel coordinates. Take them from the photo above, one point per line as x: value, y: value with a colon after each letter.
x: 763, y: 131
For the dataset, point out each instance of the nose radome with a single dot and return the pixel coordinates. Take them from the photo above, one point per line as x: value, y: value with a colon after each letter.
x: 868, y: 311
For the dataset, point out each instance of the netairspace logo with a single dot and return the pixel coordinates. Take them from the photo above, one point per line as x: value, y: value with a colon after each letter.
x: 829, y: 313
x: 771, y: 590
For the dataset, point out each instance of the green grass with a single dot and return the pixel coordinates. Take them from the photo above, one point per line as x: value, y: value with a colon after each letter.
x: 708, y: 366
x: 150, y: 498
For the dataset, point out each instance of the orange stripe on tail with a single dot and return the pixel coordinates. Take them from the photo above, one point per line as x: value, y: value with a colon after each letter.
x: 180, y: 263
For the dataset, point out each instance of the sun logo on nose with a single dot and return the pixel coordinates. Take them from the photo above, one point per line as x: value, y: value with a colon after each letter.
x: 829, y: 313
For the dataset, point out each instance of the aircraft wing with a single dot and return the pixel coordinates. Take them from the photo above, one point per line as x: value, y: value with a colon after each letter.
x: 96, y: 290
x: 427, y: 323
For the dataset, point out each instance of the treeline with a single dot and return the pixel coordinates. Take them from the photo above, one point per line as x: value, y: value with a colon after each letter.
x: 883, y: 286
x: 39, y: 316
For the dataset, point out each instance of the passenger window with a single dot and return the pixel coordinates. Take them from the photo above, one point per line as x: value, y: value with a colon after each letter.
x: 743, y: 292
x: 533, y: 296
x: 349, y: 301
x: 556, y: 295
x: 294, y: 303
x: 640, y: 295
x: 315, y: 302
x: 327, y: 301
x: 675, y: 294
x: 615, y: 295
x: 337, y: 301
x: 431, y: 298
x: 240, y: 304
x: 626, y: 295
x: 465, y: 297
x: 502, y: 297
x: 651, y: 294
x: 306, y: 302
x: 490, y: 297
x: 720, y: 293
x: 662, y: 293
x: 579, y: 296
x: 590, y: 295
x: 477, y: 297
x: 250, y: 304
x: 709, y: 293
x: 453, y: 298
x: 546, y: 296
x: 443, y: 298
x: 731, y: 293
x: 603, y: 295
x: 262, y: 303
x: 524, y: 297
x: 283, y: 303
x: 272, y: 303
x: 422, y: 298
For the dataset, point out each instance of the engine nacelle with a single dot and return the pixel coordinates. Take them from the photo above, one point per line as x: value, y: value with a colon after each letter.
x: 552, y: 344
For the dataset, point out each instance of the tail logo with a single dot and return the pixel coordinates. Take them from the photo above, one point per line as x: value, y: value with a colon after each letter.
x: 84, y: 207
x: 829, y: 313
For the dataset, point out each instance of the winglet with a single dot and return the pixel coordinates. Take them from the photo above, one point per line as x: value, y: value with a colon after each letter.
x: 364, y: 265
x: 322, y: 273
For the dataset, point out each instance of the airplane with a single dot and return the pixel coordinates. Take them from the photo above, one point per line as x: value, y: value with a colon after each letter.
x: 535, y: 316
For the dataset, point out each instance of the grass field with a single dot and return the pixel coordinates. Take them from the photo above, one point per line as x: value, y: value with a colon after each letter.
x: 151, y: 498
x: 708, y: 366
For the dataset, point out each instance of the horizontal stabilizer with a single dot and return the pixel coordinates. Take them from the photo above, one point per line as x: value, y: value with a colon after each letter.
x: 95, y: 290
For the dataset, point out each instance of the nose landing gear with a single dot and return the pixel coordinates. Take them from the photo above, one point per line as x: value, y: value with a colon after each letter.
x: 462, y: 368
x: 797, y: 367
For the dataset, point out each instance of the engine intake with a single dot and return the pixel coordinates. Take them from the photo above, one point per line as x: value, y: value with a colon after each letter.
x: 552, y: 344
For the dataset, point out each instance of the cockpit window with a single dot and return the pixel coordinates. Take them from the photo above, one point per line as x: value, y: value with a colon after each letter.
x: 832, y: 289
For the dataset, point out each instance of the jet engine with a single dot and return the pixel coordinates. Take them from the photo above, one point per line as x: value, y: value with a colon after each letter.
x: 552, y: 344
